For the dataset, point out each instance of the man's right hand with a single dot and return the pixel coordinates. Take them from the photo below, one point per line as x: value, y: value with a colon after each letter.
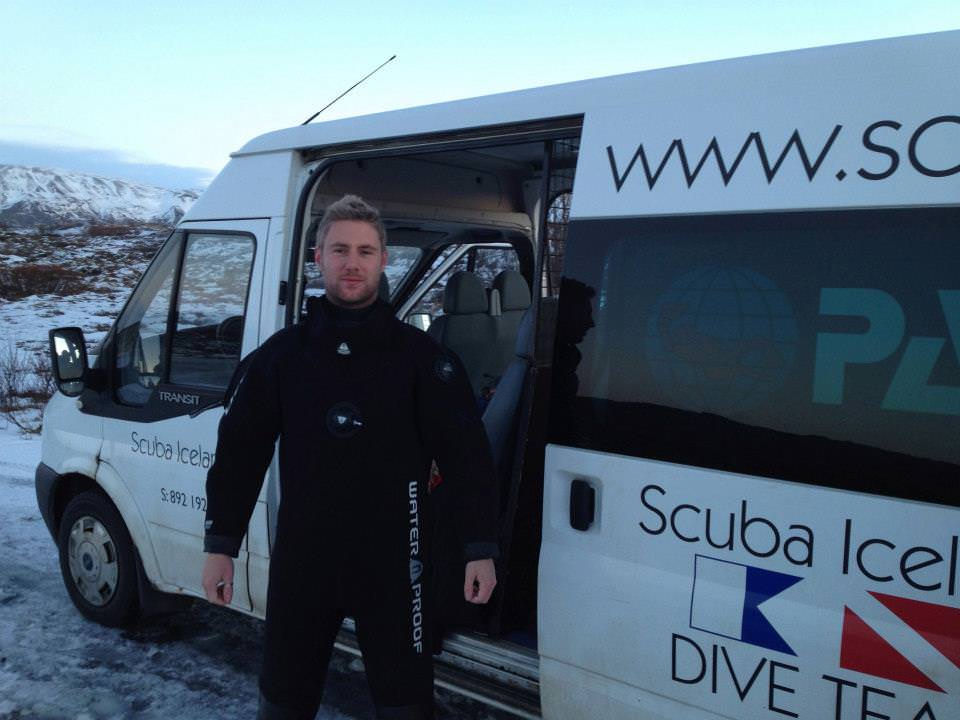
x: 218, y: 578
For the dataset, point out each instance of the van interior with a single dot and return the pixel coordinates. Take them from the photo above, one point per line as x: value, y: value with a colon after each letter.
x: 475, y: 240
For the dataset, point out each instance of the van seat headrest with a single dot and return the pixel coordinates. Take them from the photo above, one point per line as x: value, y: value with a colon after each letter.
x: 464, y: 294
x: 513, y: 289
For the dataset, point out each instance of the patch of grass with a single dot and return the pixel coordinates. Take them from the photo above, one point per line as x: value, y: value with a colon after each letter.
x: 26, y: 279
x: 111, y: 230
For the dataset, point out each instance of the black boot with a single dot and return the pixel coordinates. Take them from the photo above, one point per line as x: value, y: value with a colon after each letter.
x: 271, y: 711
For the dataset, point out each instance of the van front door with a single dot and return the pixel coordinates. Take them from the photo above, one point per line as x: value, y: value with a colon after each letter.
x: 174, y: 350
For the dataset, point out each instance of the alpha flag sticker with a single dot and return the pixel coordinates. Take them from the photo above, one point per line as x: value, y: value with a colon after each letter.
x: 727, y: 599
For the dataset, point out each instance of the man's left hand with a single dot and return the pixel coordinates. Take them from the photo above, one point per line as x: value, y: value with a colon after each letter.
x: 480, y: 580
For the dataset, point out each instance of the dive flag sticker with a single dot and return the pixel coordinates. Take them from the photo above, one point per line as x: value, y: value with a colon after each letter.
x: 727, y: 599
x: 900, y: 639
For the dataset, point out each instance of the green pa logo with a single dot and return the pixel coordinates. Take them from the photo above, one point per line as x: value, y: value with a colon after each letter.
x: 910, y: 388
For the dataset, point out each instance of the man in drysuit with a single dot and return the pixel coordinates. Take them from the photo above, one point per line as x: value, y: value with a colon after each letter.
x: 362, y: 403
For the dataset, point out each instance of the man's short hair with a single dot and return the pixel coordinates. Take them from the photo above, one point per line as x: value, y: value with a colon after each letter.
x: 351, y: 207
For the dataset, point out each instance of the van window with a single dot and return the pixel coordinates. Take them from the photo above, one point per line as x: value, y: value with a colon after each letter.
x: 203, y: 347
x: 562, y: 161
x: 558, y: 218
x: 400, y: 261
x: 486, y: 262
x: 141, y: 355
x: 431, y: 302
x: 210, y: 309
x: 489, y: 262
x: 817, y: 347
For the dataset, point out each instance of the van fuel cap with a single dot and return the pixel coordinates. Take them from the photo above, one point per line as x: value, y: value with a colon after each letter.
x: 344, y: 420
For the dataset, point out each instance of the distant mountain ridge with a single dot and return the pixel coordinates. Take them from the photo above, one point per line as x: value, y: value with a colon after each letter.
x: 31, y: 196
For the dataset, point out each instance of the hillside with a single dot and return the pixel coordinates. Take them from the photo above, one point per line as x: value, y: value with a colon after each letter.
x: 32, y: 197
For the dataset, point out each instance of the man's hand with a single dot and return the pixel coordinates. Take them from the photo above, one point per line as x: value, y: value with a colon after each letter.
x: 480, y: 580
x: 218, y: 578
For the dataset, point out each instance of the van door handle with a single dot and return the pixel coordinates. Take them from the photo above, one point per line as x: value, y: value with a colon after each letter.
x: 583, y: 503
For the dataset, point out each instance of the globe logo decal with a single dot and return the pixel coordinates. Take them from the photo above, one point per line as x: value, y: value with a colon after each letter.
x: 721, y: 339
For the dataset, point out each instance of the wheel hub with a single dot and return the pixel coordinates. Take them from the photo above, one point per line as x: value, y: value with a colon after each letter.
x: 89, y: 561
x: 92, y: 558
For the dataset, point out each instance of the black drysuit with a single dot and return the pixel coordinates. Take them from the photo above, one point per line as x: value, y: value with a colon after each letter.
x: 361, y: 409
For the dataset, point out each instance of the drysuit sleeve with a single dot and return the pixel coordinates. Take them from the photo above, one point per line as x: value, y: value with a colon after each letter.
x: 455, y: 436
x: 245, y: 441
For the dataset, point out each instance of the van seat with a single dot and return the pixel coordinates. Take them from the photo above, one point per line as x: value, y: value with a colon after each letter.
x: 493, y: 296
x: 500, y: 415
x: 513, y: 298
x: 466, y: 328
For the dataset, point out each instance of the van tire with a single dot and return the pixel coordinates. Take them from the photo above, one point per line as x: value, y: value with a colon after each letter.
x: 98, y: 561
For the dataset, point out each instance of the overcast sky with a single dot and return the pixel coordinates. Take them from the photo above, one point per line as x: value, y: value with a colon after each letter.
x: 167, y: 90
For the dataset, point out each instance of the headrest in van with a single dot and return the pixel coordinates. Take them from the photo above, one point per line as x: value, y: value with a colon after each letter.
x: 513, y: 289
x: 464, y: 294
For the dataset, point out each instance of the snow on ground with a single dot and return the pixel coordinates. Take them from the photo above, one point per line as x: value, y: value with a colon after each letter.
x: 27, y: 321
x: 56, y: 664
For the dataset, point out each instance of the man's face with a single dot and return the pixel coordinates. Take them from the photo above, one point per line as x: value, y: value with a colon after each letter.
x: 351, y: 261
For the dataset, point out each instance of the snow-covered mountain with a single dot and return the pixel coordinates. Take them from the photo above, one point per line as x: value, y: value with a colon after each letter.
x: 31, y: 196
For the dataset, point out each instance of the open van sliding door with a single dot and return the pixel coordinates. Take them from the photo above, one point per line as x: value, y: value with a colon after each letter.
x: 174, y: 349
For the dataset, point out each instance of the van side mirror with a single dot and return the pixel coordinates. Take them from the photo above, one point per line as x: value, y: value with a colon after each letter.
x: 420, y: 320
x: 68, y: 358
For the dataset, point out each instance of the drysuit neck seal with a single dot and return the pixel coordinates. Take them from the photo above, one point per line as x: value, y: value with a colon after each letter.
x: 346, y: 317
x: 366, y: 327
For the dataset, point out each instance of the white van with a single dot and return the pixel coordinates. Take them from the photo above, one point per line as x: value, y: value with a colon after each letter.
x: 730, y: 452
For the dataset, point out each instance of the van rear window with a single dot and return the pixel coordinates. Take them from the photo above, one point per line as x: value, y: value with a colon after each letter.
x: 821, y: 347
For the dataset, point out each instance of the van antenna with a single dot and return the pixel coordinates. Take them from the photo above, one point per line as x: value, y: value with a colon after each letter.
x: 393, y: 57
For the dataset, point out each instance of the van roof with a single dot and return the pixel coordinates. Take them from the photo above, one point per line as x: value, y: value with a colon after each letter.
x: 566, y: 99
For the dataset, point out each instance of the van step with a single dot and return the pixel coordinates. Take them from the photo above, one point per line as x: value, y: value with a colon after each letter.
x: 499, y: 674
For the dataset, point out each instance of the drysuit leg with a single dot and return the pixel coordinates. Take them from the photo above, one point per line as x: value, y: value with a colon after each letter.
x: 394, y: 638
x: 298, y: 642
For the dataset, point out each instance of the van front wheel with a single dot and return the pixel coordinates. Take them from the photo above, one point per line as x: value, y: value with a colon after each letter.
x: 97, y: 560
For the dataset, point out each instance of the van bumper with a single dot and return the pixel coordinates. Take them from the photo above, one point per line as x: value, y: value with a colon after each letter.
x: 45, y: 478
